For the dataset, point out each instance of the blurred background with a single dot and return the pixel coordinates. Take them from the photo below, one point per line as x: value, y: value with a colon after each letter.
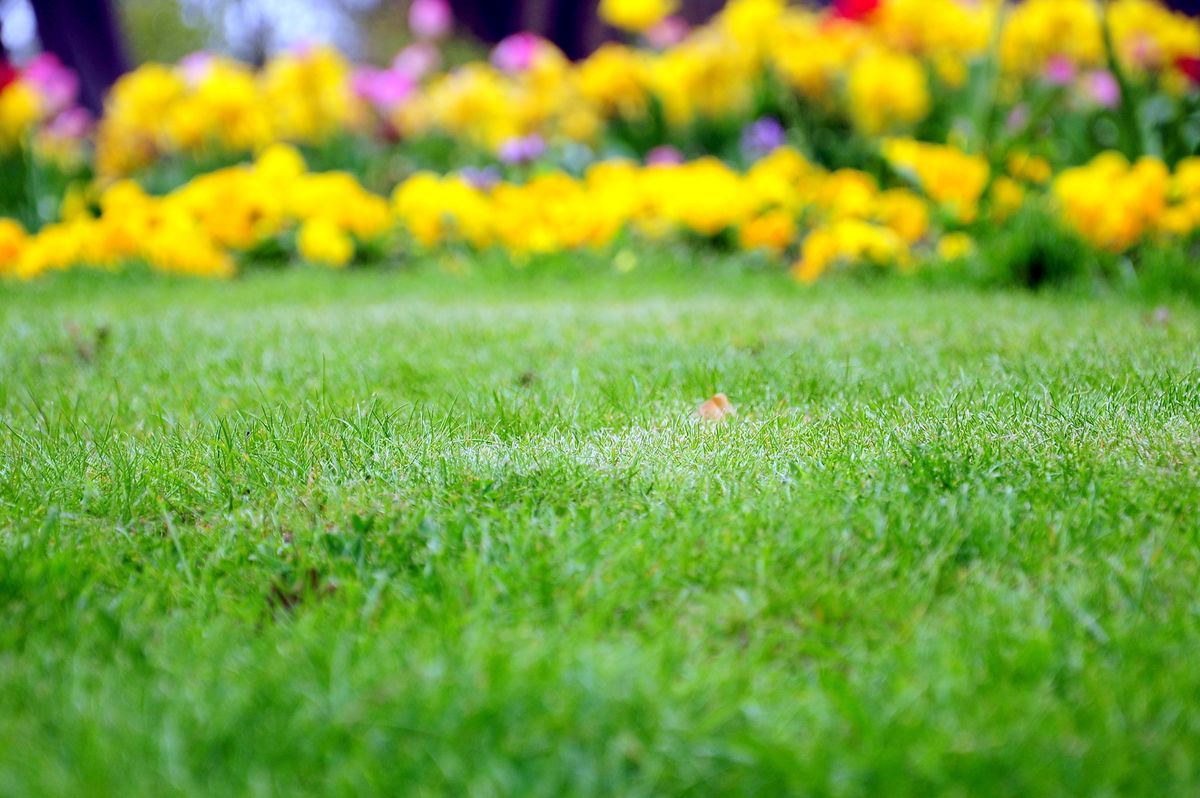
x: 99, y: 39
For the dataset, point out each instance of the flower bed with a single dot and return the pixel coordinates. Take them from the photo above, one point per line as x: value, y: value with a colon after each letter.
x: 894, y: 134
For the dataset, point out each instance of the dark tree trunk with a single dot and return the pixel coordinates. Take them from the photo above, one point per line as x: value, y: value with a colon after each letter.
x: 573, y: 25
x: 83, y: 34
x: 490, y: 21
x: 698, y: 12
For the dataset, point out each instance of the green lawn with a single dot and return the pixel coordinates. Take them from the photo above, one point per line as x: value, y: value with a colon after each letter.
x: 414, y: 534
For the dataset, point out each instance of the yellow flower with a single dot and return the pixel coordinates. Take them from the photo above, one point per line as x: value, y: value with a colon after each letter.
x: 1113, y: 204
x: 936, y: 28
x: 811, y: 56
x: 321, y: 241
x: 848, y: 241
x: 637, y: 16
x: 614, y: 80
x: 1007, y: 198
x: 436, y: 209
x: 1150, y: 37
x: 20, y: 109
x: 280, y: 165
x: 133, y: 128
x: 905, y: 213
x: 888, y: 91
x: 773, y: 231
x: 12, y: 243
x: 74, y: 203
x: 1038, y: 30
x: 1031, y: 168
x: 947, y: 175
x: 955, y: 246
x: 751, y: 24
x: 707, y: 76
x: 307, y: 95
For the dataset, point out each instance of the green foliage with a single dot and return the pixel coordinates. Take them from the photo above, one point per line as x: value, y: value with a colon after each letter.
x: 155, y: 30
x: 1169, y: 273
x: 1034, y: 250
x: 16, y: 197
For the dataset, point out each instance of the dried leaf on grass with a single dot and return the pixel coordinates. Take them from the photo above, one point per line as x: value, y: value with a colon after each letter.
x: 719, y: 408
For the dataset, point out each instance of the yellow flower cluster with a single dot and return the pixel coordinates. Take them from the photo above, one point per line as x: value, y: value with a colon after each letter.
x: 1114, y: 204
x: 874, y: 72
x: 1040, y: 30
x: 480, y: 104
x: 888, y: 92
x: 783, y: 204
x: 1146, y: 35
x: 781, y: 200
x: 132, y: 227
x: 199, y: 228
x: 948, y: 176
x: 852, y: 241
x: 212, y: 104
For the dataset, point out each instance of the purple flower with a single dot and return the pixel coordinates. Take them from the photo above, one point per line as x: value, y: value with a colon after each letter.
x: 516, y: 53
x: 417, y: 60
x: 484, y: 179
x: 1060, y: 71
x: 73, y: 123
x: 430, y: 19
x: 763, y: 137
x: 302, y: 48
x: 664, y: 155
x: 523, y: 149
x: 1018, y: 118
x: 385, y: 89
x: 195, y: 67
x: 57, y: 85
x: 1102, y: 87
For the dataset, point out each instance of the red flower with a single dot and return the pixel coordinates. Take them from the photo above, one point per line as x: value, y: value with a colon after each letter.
x: 8, y: 73
x: 1189, y: 65
x: 856, y: 10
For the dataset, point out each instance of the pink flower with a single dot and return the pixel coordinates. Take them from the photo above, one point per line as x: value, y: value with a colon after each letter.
x: 1145, y: 52
x: 517, y: 52
x: 57, y: 85
x: 73, y: 123
x: 417, y: 60
x: 385, y: 89
x: 430, y: 19
x: 668, y: 33
x: 1060, y: 71
x: 1102, y: 87
x: 664, y: 155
